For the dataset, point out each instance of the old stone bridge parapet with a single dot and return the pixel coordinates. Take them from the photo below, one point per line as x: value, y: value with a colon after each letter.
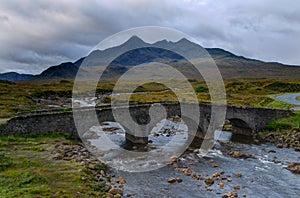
x: 244, y: 120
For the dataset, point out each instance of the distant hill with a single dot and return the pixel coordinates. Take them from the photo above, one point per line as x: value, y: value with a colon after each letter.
x: 13, y: 76
x: 233, y: 66
x: 66, y: 70
x: 229, y: 64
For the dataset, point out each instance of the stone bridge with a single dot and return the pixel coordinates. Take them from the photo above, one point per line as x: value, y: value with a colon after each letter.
x: 244, y: 120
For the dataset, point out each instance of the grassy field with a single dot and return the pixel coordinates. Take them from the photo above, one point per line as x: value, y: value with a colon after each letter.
x: 249, y: 92
x: 22, y: 97
x: 285, y: 123
x: 27, y: 169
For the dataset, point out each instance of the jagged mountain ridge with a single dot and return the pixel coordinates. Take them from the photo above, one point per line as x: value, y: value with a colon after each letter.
x: 230, y: 65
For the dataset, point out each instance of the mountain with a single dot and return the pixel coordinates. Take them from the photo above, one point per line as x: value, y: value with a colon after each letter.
x: 79, y: 62
x: 229, y: 64
x: 101, y: 57
x: 13, y: 76
x: 66, y: 70
x: 233, y: 66
x: 135, y: 52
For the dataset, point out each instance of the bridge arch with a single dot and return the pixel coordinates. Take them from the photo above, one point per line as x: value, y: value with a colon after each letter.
x: 240, y: 126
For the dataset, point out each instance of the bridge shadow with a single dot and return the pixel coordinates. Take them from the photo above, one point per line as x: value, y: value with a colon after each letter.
x: 240, y: 130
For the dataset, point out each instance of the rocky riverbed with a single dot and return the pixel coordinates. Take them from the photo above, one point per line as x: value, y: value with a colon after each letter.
x: 289, y: 139
x: 230, y: 169
x: 245, y: 171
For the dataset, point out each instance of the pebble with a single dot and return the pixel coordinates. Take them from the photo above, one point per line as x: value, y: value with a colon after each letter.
x: 173, y: 158
x: 179, y: 180
x: 194, y: 175
x: 221, y: 185
x: 109, y: 195
x: 216, y: 174
x: 171, y: 180
x: 294, y: 167
x: 209, y: 181
x: 223, y: 178
x: 196, y: 151
x: 238, y: 174
x: 279, y: 145
x: 116, y: 191
x: 216, y: 165
x: 57, y: 156
x: 238, y: 154
x: 152, y: 147
x: 121, y: 180
x: 236, y: 188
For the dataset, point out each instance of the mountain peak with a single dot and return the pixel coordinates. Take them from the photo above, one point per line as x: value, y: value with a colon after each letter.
x: 184, y: 40
x: 135, y: 39
x: 162, y: 42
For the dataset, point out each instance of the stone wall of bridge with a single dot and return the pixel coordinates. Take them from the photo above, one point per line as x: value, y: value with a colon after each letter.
x: 245, y: 120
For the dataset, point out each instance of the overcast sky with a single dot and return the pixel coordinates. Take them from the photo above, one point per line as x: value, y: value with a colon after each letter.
x: 36, y: 34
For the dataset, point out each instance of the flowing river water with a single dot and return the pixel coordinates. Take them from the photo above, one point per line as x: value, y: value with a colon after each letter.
x: 262, y: 175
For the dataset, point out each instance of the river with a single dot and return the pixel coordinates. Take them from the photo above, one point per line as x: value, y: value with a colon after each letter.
x: 262, y: 175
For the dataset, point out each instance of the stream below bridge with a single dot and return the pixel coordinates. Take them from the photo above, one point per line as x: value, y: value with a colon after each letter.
x: 262, y: 175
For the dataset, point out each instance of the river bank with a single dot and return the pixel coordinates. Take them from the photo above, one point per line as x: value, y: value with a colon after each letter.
x: 231, y: 169
x: 53, y: 166
x: 289, y: 139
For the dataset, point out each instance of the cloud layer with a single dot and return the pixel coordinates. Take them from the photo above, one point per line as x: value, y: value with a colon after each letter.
x: 37, y: 34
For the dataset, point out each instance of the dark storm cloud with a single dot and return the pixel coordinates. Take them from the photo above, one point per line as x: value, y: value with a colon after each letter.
x: 38, y: 34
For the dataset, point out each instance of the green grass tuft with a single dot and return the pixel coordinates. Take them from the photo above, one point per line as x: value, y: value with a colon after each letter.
x: 286, y: 123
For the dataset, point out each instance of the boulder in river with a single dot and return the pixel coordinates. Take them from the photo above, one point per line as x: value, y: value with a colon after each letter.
x: 238, y: 154
x: 238, y: 174
x: 171, y: 180
x: 279, y: 145
x: 179, y: 180
x: 116, y: 191
x: 294, y: 167
x: 221, y: 184
x: 209, y: 181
